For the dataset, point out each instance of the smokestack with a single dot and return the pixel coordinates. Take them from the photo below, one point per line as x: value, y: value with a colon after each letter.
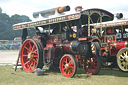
x: 119, y: 15
x: 52, y: 11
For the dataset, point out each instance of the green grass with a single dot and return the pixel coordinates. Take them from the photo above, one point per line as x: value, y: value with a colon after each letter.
x: 106, y: 77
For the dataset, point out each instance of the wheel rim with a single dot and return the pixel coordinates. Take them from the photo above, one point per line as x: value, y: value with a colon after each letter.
x: 122, y: 59
x: 68, y: 66
x: 29, y: 55
x: 91, y: 65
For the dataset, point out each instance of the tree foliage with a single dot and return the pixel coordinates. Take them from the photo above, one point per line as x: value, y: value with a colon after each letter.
x: 6, y: 23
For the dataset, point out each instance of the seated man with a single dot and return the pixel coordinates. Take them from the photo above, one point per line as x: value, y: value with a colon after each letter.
x: 84, y: 31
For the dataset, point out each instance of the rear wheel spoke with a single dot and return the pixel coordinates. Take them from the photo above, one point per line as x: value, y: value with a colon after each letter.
x: 35, y: 56
x: 30, y: 65
x: 33, y: 47
x: 27, y: 62
x: 34, y: 60
x: 27, y: 49
x: 30, y: 46
x: 25, y: 55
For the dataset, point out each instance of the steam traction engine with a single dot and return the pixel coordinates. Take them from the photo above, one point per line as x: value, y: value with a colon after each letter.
x: 114, y: 42
x: 56, y: 44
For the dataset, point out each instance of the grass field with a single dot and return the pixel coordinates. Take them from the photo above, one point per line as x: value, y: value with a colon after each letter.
x: 106, y: 77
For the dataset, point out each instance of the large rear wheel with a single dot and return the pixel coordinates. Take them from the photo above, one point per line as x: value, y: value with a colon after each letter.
x: 122, y: 59
x: 68, y: 65
x: 31, y: 55
x: 92, y: 65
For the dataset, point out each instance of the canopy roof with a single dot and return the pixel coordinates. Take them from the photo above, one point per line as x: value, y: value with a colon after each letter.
x: 83, y: 15
x: 113, y: 23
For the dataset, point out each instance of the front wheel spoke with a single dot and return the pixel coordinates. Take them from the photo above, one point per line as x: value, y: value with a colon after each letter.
x: 63, y: 65
x: 69, y: 72
x: 121, y: 59
x: 66, y: 60
x: 123, y: 63
x: 71, y: 62
x: 71, y: 66
x: 121, y: 56
x: 65, y: 70
x: 126, y: 54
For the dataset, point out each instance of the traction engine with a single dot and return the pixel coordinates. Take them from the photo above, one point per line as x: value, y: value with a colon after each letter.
x: 55, y: 43
x: 114, y: 43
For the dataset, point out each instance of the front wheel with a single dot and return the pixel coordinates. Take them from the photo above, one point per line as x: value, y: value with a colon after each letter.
x: 122, y: 59
x: 68, y: 65
x: 92, y: 65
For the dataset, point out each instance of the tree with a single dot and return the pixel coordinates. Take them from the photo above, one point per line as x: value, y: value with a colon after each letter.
x: 0, y: 10
x: 6, y: 23
x: 19, y: 18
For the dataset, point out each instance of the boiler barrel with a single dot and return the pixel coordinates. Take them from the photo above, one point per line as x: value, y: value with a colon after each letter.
x: 119, y: 45
x: 82, y: 48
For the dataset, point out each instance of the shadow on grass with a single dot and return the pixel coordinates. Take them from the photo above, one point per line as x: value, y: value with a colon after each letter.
x: 81, y: 73
x: 104, y: 71
x: 113, y: 72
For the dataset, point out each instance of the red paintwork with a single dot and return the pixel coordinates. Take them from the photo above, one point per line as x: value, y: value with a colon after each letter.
x: 49, y: 45
x: 118, y: 45
x: 104, y: 53
x: 67, y: 46
x: 54, y: 39
x: 81, y: 39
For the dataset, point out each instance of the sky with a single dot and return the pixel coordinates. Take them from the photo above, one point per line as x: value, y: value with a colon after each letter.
x: 27, y: 7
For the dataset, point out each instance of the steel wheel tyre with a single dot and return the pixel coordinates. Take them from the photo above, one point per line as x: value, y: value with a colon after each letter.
x: 68, y: 65
x: 92, y: 65
x: 122, y: 59
x: 31, y: 55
